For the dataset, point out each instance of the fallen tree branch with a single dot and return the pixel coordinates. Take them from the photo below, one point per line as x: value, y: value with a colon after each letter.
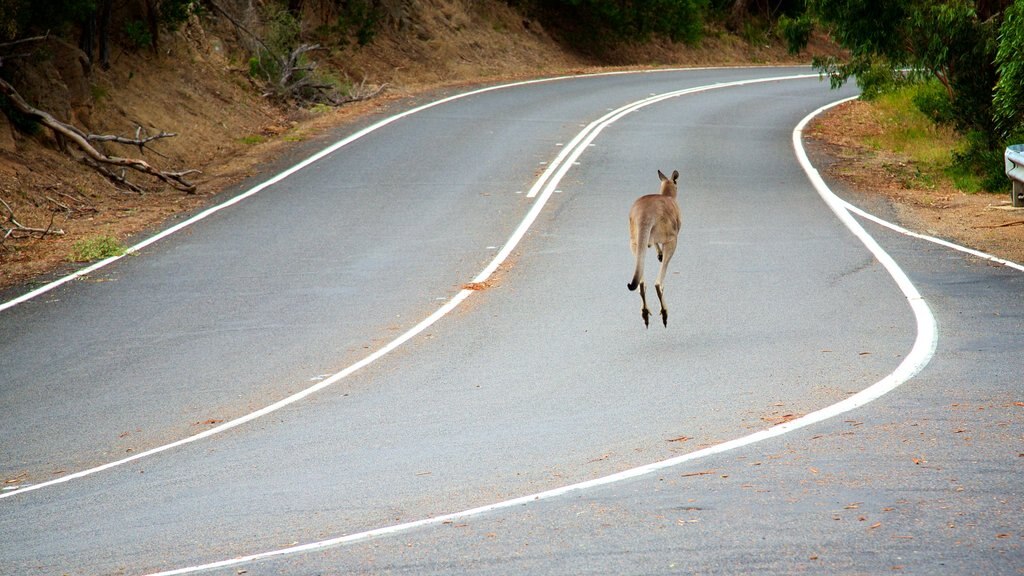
x: 6, y: 45
x: 1004, y: 225
x: 138, y: 141
x: 14, y: 229
x: 361, y: 93
x: 119, y: 180
x: 81, y: 140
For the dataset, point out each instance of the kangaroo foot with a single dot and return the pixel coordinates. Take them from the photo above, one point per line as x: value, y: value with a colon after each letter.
x: 664, y: 317
x: 646, y: 314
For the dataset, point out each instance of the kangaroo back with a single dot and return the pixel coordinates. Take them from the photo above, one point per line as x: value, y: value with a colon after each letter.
x: 654, y: 220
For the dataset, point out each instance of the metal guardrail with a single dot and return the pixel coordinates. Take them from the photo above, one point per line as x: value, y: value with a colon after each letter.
x: 1014, y: 157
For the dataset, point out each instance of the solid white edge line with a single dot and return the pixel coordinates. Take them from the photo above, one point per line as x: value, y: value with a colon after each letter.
x: 919, y: 356
x: 932, y: 239
x: 559, y: 168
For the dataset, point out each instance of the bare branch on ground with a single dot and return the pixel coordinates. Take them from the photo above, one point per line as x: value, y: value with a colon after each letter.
x: 95, y: 158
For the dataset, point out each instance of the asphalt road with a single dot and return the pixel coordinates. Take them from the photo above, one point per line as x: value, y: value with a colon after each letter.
x: 538, y: 377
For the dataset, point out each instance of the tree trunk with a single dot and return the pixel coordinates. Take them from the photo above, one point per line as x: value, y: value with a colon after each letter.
x: 103, y: 32
x: 739, y: 12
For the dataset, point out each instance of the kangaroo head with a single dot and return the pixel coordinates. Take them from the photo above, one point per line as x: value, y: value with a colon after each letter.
x: 668, y: 187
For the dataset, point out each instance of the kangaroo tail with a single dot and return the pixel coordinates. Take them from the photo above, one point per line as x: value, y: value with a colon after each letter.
x: 643, y: 235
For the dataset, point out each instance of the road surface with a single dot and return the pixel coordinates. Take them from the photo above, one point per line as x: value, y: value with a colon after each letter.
x: 416, y: 354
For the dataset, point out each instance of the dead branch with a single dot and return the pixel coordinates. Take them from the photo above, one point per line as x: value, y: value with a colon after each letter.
x: 294, y: 81
x: 117, y: 179
x: 175, y: 179
x: 139, y: 141
x: 84, y: 205
x: 6, y: 45
x: 71, y: 205
x: 14, y: 229
x: 360, y: 93
x: 240, y: 26
x: 1004, y: 225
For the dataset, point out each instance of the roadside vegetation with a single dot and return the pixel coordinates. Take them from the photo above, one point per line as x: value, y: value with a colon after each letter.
x: 95, y: 248
x: 958, y: 63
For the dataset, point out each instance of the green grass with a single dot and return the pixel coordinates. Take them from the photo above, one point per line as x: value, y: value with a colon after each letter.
x: 964, y: 179
x: 929, y: 146
x: 909, y: 132
x: 95, y: 248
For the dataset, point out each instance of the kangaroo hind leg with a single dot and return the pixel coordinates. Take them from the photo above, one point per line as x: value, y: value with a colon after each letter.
x: 668, y: 249
x: 645, y: 312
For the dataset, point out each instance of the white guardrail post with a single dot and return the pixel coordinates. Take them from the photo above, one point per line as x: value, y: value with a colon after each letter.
x: 1014, y: 157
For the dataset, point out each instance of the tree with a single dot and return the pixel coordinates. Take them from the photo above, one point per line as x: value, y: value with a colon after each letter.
x: 21, y: 18
x: 1008, y: 99
x: 591, y: 25
x: 954, y: 42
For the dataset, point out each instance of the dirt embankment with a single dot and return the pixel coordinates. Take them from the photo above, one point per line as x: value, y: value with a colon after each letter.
x: 198, y: 87
x: 982, y: 221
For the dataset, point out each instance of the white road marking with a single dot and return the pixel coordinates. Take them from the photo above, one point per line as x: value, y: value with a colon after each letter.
x: 932, y: 239
x: 918, y: 357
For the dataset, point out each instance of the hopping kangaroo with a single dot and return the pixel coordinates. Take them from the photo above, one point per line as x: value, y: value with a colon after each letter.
x: 654, y: 220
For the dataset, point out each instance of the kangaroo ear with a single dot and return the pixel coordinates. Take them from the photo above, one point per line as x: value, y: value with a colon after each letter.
x: 675, y: 176
x: 661, y: 176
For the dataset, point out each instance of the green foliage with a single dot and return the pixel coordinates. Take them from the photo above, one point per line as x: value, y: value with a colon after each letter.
x: 795, y: 31
x: 95, y: 248
x: 359, y: 18
x: 282, y: 36
x: 945, y: 40
x: 1008, y: 100
x: 865, y: 27
x: 932, y: 99
x: 878, y: 78
x: 910, y: 131
x: 948, y: 41
x: 592, y: 25
x: 174, y: 13
x: 283, y: 29
x: 979, y: 158
x: 263, y: 66
x: 22, y: 18
x: 282, y: 64
x: 137, y: 34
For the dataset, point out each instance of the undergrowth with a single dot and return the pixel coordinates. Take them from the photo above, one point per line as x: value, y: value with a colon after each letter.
x: 916, y: 124
x: 95, y: 248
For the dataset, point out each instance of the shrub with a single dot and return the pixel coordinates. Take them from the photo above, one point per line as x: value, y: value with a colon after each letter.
x: 1008, y: 99
x: 95, y: 248
x: 795, y: 31
x: 932, y: 99
x: 137, y: 34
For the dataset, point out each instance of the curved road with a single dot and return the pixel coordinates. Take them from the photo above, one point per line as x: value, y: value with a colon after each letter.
x: 446, y: 295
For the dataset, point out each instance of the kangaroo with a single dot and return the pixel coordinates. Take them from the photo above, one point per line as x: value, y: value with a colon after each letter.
x: 654, y: 220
